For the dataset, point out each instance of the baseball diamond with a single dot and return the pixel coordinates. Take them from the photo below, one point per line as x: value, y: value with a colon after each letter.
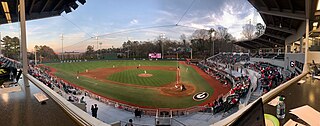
x: 148, y: 84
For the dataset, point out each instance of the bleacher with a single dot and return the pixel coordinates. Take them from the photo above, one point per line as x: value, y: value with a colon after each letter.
x: 229, y: 58
x: 9, y: 71
x: 270, y: 56
x: 279, y: 57
x: 7, y: 62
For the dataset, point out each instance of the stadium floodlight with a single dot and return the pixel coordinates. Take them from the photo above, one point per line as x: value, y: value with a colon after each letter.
x: 8, y: 17
x: 82, y: 1
x: 5, y: 7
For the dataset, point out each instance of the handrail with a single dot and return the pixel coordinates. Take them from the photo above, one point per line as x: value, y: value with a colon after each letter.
x: 265, y: 98
x: 76, y: 113
x: 178, y: 122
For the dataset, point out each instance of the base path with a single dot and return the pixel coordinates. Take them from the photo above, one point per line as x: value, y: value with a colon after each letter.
x: 218, y: 88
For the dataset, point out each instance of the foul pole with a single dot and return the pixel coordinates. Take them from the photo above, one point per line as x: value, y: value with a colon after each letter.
x: 178, y: 70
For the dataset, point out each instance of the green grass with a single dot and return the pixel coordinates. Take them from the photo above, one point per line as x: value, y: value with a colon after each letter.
x: 159, y: 78
x: 134, y: 95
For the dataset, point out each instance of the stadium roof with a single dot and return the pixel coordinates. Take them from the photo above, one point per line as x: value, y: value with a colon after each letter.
x: 282, y: 19
x: 36, y: 9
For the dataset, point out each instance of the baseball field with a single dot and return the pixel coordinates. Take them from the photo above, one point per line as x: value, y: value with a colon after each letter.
x: 148, y: 84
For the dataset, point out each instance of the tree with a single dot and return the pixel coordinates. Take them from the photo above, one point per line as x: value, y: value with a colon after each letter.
x: 200, y: 34
x: 259, y: 29
x: 183, y: 38
x: 90, y: 52
x: 46, y: 53
x: 221, y: 32
x: 11, y: 47
x: 248, y: 31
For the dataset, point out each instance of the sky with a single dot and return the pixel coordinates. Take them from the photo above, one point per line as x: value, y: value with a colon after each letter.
x: 116, y: 21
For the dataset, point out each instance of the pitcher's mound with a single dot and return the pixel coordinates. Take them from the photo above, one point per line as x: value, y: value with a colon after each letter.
x: 170, y: 90
x: 145, y: 75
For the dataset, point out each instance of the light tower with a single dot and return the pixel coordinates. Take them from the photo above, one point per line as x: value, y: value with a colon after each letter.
x: 162, y: 37
x: 62, y: 47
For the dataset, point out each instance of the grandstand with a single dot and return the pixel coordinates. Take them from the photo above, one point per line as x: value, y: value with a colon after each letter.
x: 240, y: 80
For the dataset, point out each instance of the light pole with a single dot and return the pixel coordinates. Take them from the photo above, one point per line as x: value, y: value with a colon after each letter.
x: 212, y: 31
x: 97, y: 46
x: 161, y: 39
x: 62, y: 48
x: 35, y: 55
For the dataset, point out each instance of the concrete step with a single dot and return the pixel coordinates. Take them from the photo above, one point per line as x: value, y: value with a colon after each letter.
x: 253, y: 97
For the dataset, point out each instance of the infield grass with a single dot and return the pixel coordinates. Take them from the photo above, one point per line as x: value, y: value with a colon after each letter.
x: 158, y: 78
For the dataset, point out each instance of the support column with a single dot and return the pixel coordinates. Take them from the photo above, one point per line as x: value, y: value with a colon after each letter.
x: 301, y: 44
x: 0, y: 44
x: 24, y: 42
x: 306, y: 66
x: 285, y: 49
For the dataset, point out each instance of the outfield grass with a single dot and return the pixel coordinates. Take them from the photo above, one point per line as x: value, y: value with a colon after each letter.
x: 159, y: 78
x: 134, y: 95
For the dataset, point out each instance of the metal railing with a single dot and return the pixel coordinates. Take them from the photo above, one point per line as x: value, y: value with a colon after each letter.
x: 75, y: 113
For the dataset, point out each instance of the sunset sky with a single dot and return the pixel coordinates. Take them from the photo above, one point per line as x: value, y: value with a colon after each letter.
x: 116, y: 21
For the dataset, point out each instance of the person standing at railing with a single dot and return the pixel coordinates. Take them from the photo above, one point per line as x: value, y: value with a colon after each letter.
x: 92, y: 110
x: 130, y: 123
x: 95, y: 110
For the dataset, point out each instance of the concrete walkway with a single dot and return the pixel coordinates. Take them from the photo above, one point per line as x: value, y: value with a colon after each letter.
x: 109, y: 114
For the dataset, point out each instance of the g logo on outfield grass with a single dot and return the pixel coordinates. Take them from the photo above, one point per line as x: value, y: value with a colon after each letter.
x: 200, y: 96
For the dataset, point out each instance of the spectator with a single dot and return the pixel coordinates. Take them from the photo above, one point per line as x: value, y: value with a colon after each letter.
x: 82, y: 100
x: 137, y: 113
x: 92, y: 111
x: 130, y: 123
x: 95, y: 110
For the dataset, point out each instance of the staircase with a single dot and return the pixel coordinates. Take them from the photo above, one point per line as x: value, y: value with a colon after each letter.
x: 212, y: 56
x: 254, y: 96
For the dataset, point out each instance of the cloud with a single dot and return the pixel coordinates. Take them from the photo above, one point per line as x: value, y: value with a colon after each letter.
x: 203, y: 14
x: 134, y: 21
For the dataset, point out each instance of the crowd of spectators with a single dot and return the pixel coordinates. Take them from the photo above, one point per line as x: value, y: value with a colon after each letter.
x: 240, y: 85
x: 279, y: 56
x: 271, y: 76
x: 230, y: 58
x: 56, y: 84
x: 231, y: 99
x: 61, y: 87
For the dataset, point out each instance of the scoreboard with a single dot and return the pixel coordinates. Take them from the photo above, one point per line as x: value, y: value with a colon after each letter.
x: 154, y: 55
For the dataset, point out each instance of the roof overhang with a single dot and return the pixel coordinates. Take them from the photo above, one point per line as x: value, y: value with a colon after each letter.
x: 36, y: 9
x: 283, y: 18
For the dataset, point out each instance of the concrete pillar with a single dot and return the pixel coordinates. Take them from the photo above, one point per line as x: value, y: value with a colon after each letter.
x: 301, y: 44
x: 24, y: 42
x: 285, y: 49
x: 306, y: 66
